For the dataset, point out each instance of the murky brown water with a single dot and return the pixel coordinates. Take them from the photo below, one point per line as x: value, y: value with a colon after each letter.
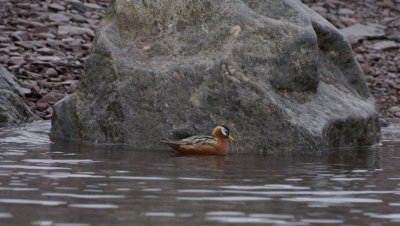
x: 42, y: 183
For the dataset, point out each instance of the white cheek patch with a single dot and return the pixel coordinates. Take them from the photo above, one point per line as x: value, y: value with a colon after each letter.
x: 224, y: 131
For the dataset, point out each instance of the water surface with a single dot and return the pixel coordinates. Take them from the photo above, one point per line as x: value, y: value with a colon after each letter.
x: 45, y: 183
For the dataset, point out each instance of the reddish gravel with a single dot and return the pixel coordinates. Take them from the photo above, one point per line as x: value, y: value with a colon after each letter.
x: 44, y: 44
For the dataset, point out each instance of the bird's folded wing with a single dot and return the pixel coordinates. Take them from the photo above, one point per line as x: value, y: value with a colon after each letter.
x: 198, y: 140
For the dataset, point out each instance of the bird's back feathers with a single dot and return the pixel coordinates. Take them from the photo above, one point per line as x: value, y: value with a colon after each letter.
x: 195, y: 140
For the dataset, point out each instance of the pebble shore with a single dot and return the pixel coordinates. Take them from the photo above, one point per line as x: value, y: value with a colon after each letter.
x: 45, y: 43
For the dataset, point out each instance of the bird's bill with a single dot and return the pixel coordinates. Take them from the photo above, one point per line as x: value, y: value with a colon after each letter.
x: 231, y: 138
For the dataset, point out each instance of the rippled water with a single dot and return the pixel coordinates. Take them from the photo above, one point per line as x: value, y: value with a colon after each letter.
x: 45, y: 183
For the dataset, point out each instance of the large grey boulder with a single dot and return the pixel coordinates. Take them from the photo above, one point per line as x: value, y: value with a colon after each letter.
x: 277, y: 74
x: 13, y: 110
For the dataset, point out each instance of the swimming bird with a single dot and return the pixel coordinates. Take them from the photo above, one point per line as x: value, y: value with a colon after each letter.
x: 204, y: 145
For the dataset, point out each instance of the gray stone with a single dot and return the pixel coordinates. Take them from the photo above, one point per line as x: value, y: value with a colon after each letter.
x: 358, y: 32
x: 13, y: 110
x: 51, y: 72
x: 74, y: 30
x: 280, y: 76
x: 56, y: 7
x: 385, y: 45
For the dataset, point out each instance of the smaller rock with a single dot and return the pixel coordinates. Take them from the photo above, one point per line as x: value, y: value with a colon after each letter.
x: 32, y: 75
x: 45, y: 84
x: 383, y: 122
x: 393, y: 120
x: 74, y: 44
x: 26, y: 91
x: 56, y: 81
x: 41, y: 29
x: 373, y: 56
x: 3, y: 60
x: 13, y: 48
x: 51, y: 72
x: 29, y: 84
x: 79, y: 18
x: 20, y: 36
x: 3, y: 39
x: 16, y: 61
x: 59, y: 53
x: 51, y: 98
x: 392, y: 84
x: 87, y: 37
x: 71, y: 86
x: 13, y: 110
x: 92, y: 6
x: 25, y: 44
x: 359, y: 32
x: 394, y: 38
x: 385, y: 45
x: 45, y: 35
x: 4, y: 51
x: 79, y: 7
x: 334, y: 2
x: 54, y: 43
x: 48, y: 116
x: 45, y: 51
x: 366, y: 68
x: 29, y: 23
x: 69, y: 82
x: 49, y: 58
x: 394, y: 109
x: 49, y: 110
x: 23, y: 5
x: 345, y: 11
x: 41, y: 106
x: 74, y: 30
x: 43, y: 92
x: 348, y: 21
x: 56, y: 7
x: 36, y: 91
x: 86, y: 46
x: 59, y: 18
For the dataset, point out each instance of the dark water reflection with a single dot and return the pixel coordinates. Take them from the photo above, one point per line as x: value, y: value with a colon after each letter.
x: 42, y: 183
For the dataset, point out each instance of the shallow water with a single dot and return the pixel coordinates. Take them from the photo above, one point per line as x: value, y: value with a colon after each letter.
x: 45, y: 183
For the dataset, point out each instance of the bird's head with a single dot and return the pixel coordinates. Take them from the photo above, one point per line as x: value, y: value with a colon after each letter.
x: 222, y: 132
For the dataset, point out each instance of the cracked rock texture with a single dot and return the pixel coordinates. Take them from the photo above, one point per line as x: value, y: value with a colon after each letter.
x: 280, y: 76
x: 13, y: 110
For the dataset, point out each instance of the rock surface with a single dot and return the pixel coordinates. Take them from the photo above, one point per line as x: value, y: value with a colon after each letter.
x: 29, y: 30
x: 381, y: 65
x: 276, y: 73
x: 13, y: 110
